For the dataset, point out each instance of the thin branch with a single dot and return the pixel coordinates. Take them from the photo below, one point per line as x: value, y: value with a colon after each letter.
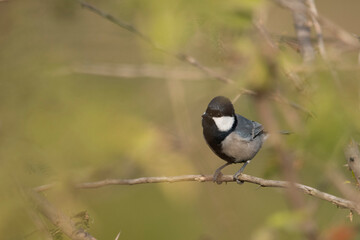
x: 180, y: 56
x: 317, y: 27
x: 279, y: 98
x: 298, y: 82
x: 117, y: 236
x: 44, y: 187
x: 265, y: 34
x: 140, y: 71
x: 118, y: 22
x: 352, y: 155
x: 340, y: 202
x: 40, y: 225
x: 300, y: 13
x: 340, y: 33
x: 303, y: 32
x: 341, y: 183
x: 302, y: 28
x: 295, y: 79
x: 206, y: 70
x: 57, y: 218
x: 315, y: 19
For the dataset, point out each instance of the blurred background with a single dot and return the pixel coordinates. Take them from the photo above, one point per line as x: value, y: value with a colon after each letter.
x: 82, y: 99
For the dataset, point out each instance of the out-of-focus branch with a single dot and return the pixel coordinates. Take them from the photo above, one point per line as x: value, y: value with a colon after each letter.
x: 301, y: 11
x: 303, y: 32
x: 180, y: 56
x: 302, y: 28
x: 285, y: 157
x: 352, y: 155
x: 259, y: 25
x: 281, y: 99
x: 289, y: 74
x: 339, y: 33
x: 191, y: 60
x: 63, y: 222
x: 140, y: 71
x: 44, y: 187
x: 341, y: 183
x: 340, y: 202
x: 270, y: 41
x: 117, y: 236
x: 118, y: 22
x: 314, y: 18
x: 40, y: 225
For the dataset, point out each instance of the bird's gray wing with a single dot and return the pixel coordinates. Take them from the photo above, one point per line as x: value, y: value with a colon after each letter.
x: 247, y: 129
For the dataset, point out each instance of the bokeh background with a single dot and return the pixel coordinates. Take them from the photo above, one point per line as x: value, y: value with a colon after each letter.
x: 82, y: 99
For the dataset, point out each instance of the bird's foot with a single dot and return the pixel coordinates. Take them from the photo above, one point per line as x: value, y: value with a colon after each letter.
x: 236, y: 178
x: 238, y: 173
x: 216, y: 177
x: 218, y: 174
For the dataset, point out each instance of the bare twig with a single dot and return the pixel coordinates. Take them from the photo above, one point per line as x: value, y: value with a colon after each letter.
x: 140, y: 71
x: 117, y: 236
x: 352, y: 155
x: 206, y: 70
x: 293, y: 5
x: 265, y: 34
x: 303, y: 32
x: 180, y: 56
x: 338, y: 32
x: 291, y: 75
x: 315, y: 19
x: 343, y: 185
x: 60, y: 220
x: 340, y: 202
x: 44, y: 187
x: 40, y: 225
x: 317, y: 27
x: 302, y: 27
x: 118, y: 22
x: 341, y: 34
x: 279, y: 98
x: 300, y: 13
x: 295, y: 78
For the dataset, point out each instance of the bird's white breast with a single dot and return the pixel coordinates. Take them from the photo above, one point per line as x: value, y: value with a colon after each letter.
x: 225, y: 123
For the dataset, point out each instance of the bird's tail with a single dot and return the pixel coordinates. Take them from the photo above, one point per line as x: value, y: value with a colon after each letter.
x: 285, y: 132
x: 282, y: 132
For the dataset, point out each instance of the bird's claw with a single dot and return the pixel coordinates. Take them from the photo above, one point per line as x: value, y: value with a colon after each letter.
x: 236, y: 178
x: 217, y: 176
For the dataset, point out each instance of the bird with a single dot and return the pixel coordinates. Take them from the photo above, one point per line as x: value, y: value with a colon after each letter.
x: 231, y: 136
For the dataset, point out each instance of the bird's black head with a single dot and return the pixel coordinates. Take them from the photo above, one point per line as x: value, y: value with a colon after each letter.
x: 219, y: 118
x: 219, y: 107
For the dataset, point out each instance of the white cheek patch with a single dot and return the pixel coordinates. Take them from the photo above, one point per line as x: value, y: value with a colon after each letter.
x: 224, y: 124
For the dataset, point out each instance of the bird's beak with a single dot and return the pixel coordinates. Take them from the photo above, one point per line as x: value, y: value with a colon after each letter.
x: 204, y: 115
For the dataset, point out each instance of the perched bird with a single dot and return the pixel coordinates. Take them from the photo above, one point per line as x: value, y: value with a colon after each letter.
x: 230, y: 136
